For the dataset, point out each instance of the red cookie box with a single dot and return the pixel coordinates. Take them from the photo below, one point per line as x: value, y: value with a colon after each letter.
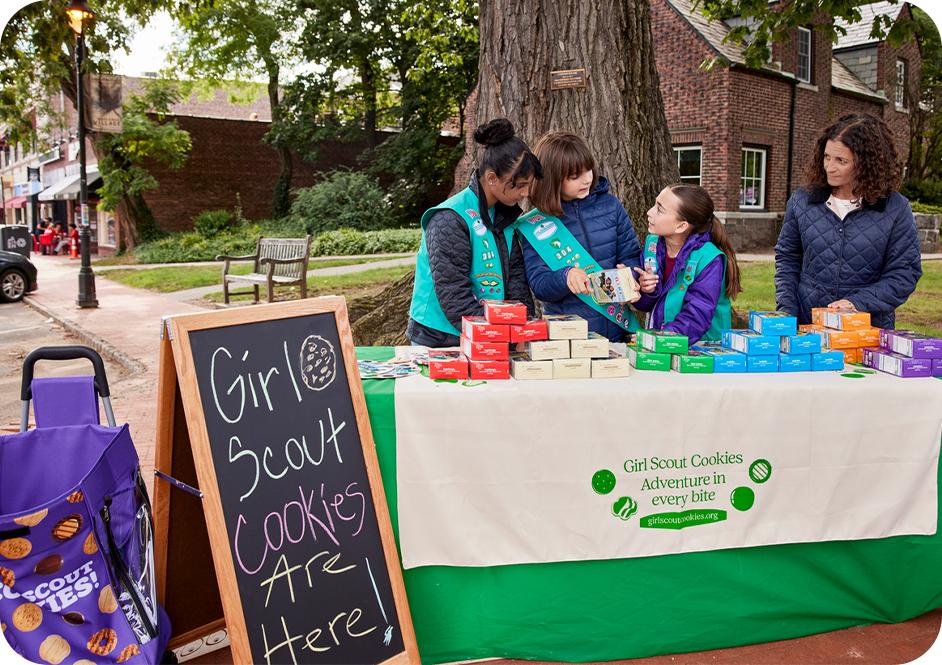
x: 485, y: 350
x: 447, y: 365
x: 505, y: 311
x: 490, y: 369
x: 534, y: 330
x: 477, y: 329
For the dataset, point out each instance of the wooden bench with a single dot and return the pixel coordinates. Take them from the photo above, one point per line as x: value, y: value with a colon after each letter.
x: 278, y: 261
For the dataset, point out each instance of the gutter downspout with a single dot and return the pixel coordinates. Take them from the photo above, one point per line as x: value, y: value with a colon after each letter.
x: 791, y: 141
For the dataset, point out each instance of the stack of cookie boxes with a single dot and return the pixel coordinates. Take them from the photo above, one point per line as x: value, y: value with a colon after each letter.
x: 906, y: 354
x: 663, y: 350
x: 570, y: 352
x: 774, y: 343
x: 847, y: 332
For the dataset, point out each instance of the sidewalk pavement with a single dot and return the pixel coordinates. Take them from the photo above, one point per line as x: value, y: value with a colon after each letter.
x: 126, y: 329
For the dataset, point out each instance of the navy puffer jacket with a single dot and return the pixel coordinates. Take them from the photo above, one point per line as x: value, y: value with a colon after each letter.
x: 601, y: 225
x: 871, y: 258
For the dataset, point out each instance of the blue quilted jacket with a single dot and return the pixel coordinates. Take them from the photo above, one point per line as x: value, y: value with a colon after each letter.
x: 871, y: 258
x: 601, y: 225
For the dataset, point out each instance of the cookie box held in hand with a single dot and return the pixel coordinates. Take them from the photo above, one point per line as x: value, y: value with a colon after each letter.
x: 614, y: 285
x: 532, y: 331
x: 751, y: 343
x: 725, y: 360
x: 596, y: 346
x: 477, y: 329
x: 649, y: 360
x: 447, y: 365
x: 490, y: 369
x: 773, y: 323
x: 662, y: 341
x: 505, y: 311
x: 566, y: 326
x: 485, y: 350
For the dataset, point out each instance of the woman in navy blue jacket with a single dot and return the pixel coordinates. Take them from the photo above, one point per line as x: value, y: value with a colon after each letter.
x: 572, y: 191
x: 849, y: 238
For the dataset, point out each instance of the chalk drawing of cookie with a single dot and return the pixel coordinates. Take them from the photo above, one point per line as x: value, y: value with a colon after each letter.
x: 32, y: 519
x: 67, y: 527
x: 318, y: 362
x: 54, y: 649
x: 15, y: 548
x: 27, y: 617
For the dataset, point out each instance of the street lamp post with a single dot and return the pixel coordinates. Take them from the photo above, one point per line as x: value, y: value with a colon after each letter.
x: 79, y: 14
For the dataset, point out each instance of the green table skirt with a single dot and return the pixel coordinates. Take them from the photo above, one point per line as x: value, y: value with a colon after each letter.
x: 630, y: 608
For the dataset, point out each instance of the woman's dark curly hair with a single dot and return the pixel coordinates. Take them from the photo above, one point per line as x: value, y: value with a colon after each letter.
x: 876, y: 164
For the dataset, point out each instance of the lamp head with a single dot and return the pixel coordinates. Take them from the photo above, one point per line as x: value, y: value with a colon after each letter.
x: 79, y: 14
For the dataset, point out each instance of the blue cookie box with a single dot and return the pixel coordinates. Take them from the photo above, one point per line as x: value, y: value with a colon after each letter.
x: 725, y: 360
x: 763, y: 363
x: 791, y: 362
x: 801, y: 344
x: 754, y: 344
x: 829, y: 360
x: 773, y: 323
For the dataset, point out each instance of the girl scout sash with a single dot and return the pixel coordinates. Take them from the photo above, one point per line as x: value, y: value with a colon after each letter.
x: 674, y: 298
x: 487, y: 276
x: 559, y: 249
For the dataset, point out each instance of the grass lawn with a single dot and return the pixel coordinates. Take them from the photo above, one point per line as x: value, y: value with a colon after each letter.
x: 922, y: 312
x: 351, y: 285
x: 178, y: 278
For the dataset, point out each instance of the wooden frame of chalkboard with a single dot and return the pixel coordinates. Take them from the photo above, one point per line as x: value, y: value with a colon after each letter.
x: 313, y: 596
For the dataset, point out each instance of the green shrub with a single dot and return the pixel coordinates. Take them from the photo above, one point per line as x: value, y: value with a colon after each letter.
x: 344, y: 242
x: 343, y: 199
x: 925, y: 191
x: 920, y: 207
x: 212, y: 222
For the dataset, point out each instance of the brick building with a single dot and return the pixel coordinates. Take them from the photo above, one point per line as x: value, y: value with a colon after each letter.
x: 746, y: 134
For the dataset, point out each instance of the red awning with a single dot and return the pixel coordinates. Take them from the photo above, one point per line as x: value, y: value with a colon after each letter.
x: 15, y: 202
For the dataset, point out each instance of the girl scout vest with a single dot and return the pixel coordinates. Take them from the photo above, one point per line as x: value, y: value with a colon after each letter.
x: 559, y: 249
x: 674, y: 299
x: 487, y: 276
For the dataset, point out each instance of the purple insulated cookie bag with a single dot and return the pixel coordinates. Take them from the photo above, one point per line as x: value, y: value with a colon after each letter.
x: 76, y: 530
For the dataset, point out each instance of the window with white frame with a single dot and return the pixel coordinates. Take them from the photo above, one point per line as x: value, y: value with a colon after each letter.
x: 804, y: 55
x: 752, y: 179
x: 689, y: 163
x: 901, y: 84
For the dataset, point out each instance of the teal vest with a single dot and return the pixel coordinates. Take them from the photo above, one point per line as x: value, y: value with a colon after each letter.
x: 674, y: 300
x: 487, y: 277
x: 559, y: 249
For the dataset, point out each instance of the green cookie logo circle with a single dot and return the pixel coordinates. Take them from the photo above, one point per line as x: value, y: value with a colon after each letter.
x: 760, y: 471
x: 603, y: 481
x: 742, y: 498
x: 624, y: 507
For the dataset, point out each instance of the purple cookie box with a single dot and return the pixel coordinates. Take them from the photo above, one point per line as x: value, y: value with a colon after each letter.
x: 937, y: 367
x: 899, y: 365
x: 912, y: 344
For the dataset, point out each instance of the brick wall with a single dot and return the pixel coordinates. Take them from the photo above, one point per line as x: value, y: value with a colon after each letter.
x: 898, y: 119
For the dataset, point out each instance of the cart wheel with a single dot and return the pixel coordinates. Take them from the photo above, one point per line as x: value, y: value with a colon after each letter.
x: 12, y: 285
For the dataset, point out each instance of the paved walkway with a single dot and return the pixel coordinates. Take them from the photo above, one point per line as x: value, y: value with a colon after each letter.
x: 313, y: 261
x: 126, y: 328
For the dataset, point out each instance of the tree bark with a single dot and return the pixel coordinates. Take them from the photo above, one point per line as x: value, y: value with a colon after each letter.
x: 281, y: 195
x: 620, y: 112
x: 368, y: 81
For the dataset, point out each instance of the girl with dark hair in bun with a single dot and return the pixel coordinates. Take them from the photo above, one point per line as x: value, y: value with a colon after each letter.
x: 468, y: 251
x: 849, y: 238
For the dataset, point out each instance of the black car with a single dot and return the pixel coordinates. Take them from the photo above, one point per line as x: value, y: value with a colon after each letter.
x: 17, y: 276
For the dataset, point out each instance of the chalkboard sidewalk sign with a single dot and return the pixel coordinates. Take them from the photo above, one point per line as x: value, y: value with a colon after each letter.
x: 290, y: 547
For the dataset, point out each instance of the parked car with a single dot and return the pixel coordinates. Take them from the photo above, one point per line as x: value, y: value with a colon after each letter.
x: 17, y: 277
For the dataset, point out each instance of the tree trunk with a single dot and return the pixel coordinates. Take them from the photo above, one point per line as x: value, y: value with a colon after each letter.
x: 620, y: 112
x: 281, y: 196
x: 368, y: 81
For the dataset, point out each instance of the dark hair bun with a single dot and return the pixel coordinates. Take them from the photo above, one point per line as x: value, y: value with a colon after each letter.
x: 494, y: 132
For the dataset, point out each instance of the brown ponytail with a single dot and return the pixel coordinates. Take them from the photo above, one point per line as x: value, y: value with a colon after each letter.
x: 696, y: 208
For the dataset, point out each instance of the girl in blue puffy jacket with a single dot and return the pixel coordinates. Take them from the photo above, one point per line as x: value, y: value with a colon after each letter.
x: 573, y: 193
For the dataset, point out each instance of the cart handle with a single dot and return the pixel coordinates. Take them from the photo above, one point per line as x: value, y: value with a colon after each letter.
x: 63, y: 353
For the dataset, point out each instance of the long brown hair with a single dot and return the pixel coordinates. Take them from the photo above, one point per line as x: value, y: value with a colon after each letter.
x: 561, y: 154
x: 696, y: 208
x: 877, y: 170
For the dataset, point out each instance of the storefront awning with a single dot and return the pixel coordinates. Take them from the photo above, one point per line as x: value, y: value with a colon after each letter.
x: 68, y: 187
x: 15, y: 202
